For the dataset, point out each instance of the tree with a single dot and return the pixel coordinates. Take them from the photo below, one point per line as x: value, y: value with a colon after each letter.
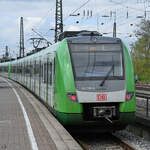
x: 141, y: 51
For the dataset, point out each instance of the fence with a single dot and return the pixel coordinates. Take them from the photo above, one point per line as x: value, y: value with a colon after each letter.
x: 147, y: 98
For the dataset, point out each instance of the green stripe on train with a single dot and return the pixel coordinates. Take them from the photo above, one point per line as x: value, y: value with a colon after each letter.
x: 128, y: 106
x: 64, y: 82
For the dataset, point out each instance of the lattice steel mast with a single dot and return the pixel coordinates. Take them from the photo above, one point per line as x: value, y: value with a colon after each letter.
x: 21, y: 52
x: 59, y: 19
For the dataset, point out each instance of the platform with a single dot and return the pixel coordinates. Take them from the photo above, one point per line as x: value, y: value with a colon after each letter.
x: 25, y: 123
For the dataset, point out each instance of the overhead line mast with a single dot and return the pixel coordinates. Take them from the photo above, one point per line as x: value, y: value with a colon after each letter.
x: 59, y: 19
x: 21, y: 53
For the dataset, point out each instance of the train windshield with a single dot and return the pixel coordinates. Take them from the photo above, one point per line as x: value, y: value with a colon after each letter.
x: 94, y: 61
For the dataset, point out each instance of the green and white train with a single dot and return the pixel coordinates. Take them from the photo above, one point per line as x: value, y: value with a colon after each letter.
x: 85, y: 79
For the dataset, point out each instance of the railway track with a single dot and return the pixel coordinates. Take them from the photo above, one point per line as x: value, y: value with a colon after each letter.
x: 105, y: 141
x: 123, y: 144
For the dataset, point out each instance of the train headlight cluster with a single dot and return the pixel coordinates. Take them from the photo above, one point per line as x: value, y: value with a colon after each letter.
x: 129, y: 95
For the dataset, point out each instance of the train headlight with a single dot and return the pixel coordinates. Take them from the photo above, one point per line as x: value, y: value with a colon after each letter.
x: 129, y: 95
x: 72, y: 97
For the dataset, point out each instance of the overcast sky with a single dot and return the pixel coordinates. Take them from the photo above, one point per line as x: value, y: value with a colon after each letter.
x: 40, y: 15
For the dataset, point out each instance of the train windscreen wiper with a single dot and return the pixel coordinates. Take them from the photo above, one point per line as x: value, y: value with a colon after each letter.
x: 108, y: 73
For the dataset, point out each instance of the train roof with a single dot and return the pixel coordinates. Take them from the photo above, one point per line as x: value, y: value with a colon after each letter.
x: 49, y: 50
x: 85, y: 36
x: 90, y: 39
x: 80, y: 38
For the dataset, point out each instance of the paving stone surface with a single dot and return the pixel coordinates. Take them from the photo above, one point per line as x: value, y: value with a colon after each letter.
x: 48, y: 133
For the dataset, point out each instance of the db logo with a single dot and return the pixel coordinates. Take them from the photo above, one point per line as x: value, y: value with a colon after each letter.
x: 101, y: 97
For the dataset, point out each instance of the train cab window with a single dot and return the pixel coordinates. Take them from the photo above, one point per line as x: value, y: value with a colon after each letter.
x: 94, y: 61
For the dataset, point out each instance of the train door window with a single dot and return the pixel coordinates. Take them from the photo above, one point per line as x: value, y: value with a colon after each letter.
x: 25, y: 65
x: 51, y: 76
x: 28, y: 68
x: 44, y: 72
x: 22, y: 69
x: 17, y: 68
x: 37, y: 69
x: 31, y: 69
x: 34, y: 68
x: 47, y: 71
x: 40, y: 69
x: 14, y: 68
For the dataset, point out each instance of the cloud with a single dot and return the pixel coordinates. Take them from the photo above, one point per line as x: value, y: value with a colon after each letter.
x: 73, y: 28
x: 31, y: 22
x: 40, y: 15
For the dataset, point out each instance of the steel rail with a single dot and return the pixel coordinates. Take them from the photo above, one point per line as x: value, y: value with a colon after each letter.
x: 124, y: 144
x: 120, y: 143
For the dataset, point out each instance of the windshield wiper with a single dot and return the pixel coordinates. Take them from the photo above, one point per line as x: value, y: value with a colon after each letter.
x: 107, y: 75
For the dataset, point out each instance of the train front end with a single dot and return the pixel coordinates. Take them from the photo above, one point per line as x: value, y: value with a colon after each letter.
x: 103, y: 80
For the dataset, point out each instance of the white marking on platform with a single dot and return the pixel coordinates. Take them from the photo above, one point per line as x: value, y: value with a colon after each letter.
x: 27, y: 121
